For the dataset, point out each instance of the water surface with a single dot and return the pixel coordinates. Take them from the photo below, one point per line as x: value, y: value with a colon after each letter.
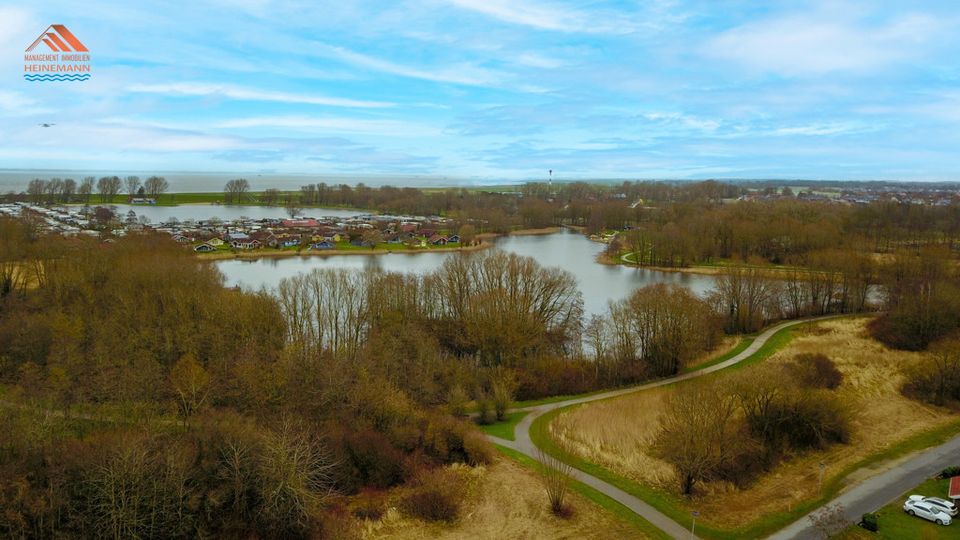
x: 567, y: 250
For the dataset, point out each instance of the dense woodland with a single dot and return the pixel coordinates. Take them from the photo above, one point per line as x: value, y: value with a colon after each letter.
x: 142, y: 398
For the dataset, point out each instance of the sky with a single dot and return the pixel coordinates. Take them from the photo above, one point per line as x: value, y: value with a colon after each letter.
x: 492, y: 90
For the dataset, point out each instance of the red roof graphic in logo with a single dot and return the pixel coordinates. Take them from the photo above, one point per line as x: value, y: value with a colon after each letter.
x: 59, y: 39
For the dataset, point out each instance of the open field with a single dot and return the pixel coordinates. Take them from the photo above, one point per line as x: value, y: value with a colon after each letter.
x: 489, y: 513
x: 895, y: 524
x: 616, y: 434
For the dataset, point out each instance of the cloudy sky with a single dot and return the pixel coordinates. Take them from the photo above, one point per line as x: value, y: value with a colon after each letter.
x: 494, y: 89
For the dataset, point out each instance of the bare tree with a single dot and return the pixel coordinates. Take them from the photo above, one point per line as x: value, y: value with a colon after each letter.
x: 86, y: 188
x: 156, y: 186
x: 131, y: 184
x: 108, y: 187
x: 698, y: 434
x: 236, y: 190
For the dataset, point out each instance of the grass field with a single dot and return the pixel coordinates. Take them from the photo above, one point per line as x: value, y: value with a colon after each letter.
x: 895, y: 524
x: 507, y: 500
x: 505, y: 429
x: 616, y: 434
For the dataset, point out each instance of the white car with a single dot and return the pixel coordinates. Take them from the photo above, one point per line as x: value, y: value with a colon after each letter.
x: 943, y: 504
x: 926, y: 511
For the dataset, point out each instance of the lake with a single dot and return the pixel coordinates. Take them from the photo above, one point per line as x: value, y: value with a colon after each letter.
x: 570, y: 251
x: 196, y: 212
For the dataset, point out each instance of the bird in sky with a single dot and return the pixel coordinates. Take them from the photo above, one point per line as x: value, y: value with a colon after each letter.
x: 46, y: 125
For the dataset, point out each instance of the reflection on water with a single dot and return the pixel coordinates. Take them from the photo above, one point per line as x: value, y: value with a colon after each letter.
x: 197, y: 212
x: 573, y: 252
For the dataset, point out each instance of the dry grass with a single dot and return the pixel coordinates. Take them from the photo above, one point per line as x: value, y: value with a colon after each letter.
x: 617, y: 433
x: 506, y: 500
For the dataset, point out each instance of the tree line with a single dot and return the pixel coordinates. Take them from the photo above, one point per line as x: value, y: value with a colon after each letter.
x: 68, y: 190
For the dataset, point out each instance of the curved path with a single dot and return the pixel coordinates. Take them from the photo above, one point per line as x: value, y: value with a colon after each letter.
x: 525, y: 445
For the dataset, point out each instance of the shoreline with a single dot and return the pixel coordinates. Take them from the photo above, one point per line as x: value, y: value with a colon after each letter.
x: 485, y: 242
x: 774, y: 272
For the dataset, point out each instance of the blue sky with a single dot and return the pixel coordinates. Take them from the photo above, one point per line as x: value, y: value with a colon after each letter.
x: 494, y: 89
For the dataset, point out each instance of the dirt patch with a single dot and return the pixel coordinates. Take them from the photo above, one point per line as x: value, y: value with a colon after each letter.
x: 618, y: 433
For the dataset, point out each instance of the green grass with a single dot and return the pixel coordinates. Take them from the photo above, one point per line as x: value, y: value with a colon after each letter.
x: 587, y: 492
x: 677, y: 509
x: 895, y: 524
x: 507, y: 428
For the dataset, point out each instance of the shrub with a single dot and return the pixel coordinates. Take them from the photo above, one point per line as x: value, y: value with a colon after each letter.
x: 798, y: 420
x: 950, y: 472
x: 556, y: 482
x: 436, y: 496
x: 379, y: 463
x: 816, y: 370
x: 485, y: 412
x: 503, y: 386
x: 869, y: 522
x: 937, y: 379
x: 478, y: 450
x: 457, y: 401
x: 369, y: 505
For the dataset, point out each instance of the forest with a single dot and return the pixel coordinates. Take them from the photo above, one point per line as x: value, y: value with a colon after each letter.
x: 139, y: 397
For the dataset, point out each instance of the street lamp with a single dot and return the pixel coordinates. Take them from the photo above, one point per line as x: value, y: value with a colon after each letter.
x: 693, y: 526
x: 820, y: 482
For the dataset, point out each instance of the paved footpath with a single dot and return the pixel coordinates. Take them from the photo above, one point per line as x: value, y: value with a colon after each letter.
x: 524, y: 444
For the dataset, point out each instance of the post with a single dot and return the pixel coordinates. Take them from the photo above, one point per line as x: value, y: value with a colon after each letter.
x: 820, y: 481
x: 693, y: 526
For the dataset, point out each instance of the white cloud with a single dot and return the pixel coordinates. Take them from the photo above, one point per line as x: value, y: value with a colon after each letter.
x: 464, y: 73
x: 538, y: 61
x: 819, y: 129
x: 547, y: 17
x: 235, y: 92
x: 334, y: 124
x: 16, y: 104
x: 826, y: 42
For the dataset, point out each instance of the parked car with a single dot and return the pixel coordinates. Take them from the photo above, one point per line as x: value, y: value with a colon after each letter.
x: 926, y: 511
x: 943, y: 504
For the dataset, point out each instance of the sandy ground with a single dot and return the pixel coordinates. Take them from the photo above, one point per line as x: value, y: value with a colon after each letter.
x: 618, y: 433
x: 507, y: 501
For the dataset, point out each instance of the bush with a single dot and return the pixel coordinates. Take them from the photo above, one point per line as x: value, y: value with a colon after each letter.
x: 478, y: 449
x: 869, y: 522
x: 556, y: 482
x: 796, y: 419
x: 816, y: 370
x: 457, y: 400
x: 950, y: 472
x: 369, y: 505
x: 436, y: 496
x: 485, y: 412
x: 503, y: 387
x: 937, y: 379
x: 380, y: 464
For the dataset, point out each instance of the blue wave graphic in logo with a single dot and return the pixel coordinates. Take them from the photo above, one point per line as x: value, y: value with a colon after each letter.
x: 57, y: 77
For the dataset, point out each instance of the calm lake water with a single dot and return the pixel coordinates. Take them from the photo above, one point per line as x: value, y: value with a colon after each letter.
x: 573, y: 252
x: 196, y: 212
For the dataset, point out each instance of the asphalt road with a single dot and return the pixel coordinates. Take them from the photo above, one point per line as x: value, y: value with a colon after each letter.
x: 879, y: 490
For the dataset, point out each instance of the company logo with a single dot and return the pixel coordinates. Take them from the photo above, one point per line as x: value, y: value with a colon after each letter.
x: 68, y: 59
